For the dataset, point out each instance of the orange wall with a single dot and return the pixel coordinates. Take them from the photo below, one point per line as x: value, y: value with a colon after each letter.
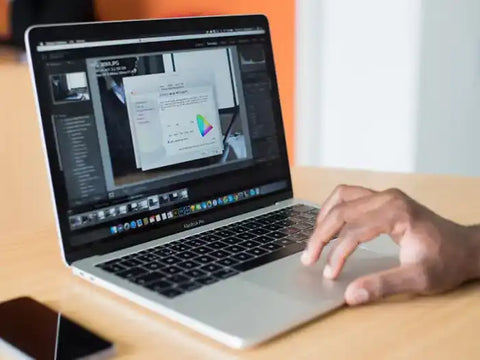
x: 281, y: 14
x: 3, y: 18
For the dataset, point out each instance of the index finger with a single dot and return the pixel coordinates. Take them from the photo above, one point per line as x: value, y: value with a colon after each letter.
x: 342, y: 193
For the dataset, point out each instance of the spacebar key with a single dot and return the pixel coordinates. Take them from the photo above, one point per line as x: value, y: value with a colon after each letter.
x: 265, y: 259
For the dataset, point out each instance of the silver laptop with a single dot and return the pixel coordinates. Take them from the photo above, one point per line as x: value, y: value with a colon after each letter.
x: 170, y: 179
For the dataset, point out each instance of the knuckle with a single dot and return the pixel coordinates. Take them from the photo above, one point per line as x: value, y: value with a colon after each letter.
x: 395, y: 194
x: 424, y: 280
x: 340, y: 190
x: 338, y: 213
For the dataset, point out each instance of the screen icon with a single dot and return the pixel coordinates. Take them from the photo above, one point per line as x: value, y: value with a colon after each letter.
x: 203, y: 125
x: 192, y: 208
x: 225, y: 199
x: 132, y: 207
x: 170, y: 215
x: 145, y: 221
x: 120, y: 228
x: 220, y: 201
x: 158, y: 218
x: 175, y: 213
x: 209, y: 204
x: 152, y: 219
x: 133, y: 224
x: 252, y: 192
x: 204, y: 205
x: 113, y: 230
x: 126, y: 226
x: 230, y: 198
x: 198, y: 207
x: 139, y: 223
x: 214, y: 202
x: 122, y: 209
x: 164, y: 216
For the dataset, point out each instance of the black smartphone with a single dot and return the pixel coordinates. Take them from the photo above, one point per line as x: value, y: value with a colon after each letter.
x: 31, y: 330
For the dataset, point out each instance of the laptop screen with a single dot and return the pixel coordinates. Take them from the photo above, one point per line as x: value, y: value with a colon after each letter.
x: 148, y: 131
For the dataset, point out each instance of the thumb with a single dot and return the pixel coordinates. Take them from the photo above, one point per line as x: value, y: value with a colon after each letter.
x: 402, y: 279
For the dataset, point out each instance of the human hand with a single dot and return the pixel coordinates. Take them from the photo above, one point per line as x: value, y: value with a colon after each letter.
x: 436, y: 254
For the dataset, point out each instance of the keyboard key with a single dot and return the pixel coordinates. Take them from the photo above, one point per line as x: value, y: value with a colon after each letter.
x: 298, y: 237
x: 250, y: 244
x: 195, y: 243
x: 204, y: 259
x: 225, y: 273
x: 291, y: 230
x: 242, y: 256
x: 154, y: 265
x: 211, y: 268
x: 195, y: 273
x: 148, y: 278
x: 277, y: 234
x: 178, y: 278
x: 257, y: 251
x: 202, y: 250
x: 158, y: 285
x: 132, y: 272
x: 264, y: 239
x: 237, y: 229
x: 177, y: 246
x: 189, y: 264
x: 163, y: 251
x: 170, y: 292
x: 172, y: 270
x: 220, y: 254
x: 146, y: 258
x: 231, y: 240
x: 281, y: 253
x: 190, y: 286
x: 210, y: 237
x: 224, y: 233
x: 273, y: 227
x: 260, y: 231
x: 271, y: 246
x: 185, y: 255
x: 207, y: 280
x: 235, y: 249
x: 113, y: 268
x: 217, y: 245
x: 131, y: 263
x: 303, y: 226
x: 171, y: 260
x: 245, y: 236
x: 227, y: 262
x: 284, y: 241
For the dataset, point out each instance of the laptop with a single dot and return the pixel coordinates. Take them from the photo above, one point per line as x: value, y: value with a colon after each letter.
x: 169, y: 173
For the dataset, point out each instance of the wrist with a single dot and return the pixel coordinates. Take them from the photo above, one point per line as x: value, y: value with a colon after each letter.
x: 474, y: 258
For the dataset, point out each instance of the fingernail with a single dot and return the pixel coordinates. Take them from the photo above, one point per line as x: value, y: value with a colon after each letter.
x: 359, y: 296
x: 328, y: 272
x: 305, y: 258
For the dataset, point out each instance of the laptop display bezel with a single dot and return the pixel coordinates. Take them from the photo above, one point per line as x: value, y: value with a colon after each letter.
x: 130, y: 29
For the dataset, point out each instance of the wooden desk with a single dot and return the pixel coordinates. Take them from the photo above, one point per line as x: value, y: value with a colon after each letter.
x: 441, y: 327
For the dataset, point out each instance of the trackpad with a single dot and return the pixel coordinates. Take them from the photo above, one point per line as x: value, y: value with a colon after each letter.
x: 289, y: 277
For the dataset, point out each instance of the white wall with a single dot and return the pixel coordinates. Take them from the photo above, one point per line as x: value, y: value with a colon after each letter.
x: 373, y: 82
x: 448, y: 119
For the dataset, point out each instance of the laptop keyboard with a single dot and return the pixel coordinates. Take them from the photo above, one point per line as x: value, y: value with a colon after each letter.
x: 188, y: 264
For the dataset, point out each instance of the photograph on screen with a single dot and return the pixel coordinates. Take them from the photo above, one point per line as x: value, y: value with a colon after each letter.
x: 69, y: 87
x: 169, y: 114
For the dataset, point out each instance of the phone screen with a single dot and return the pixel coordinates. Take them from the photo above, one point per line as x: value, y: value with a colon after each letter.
x: 29, y: 329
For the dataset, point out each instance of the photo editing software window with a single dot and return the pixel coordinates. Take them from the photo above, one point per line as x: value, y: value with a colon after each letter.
x: 136, y: 131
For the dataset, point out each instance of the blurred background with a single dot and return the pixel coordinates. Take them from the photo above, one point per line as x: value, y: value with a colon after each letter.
x: 388, y: 85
